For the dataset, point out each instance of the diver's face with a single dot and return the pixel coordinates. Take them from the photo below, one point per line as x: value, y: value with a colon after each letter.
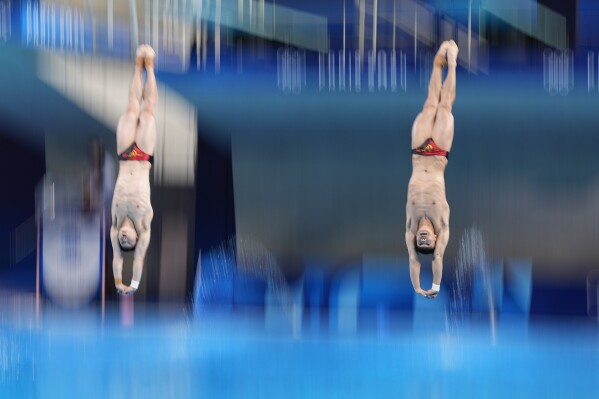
x: 127, y: 237
x: 425, y: 237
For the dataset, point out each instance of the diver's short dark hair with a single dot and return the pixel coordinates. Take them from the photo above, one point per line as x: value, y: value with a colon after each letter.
x: 424, y: 251
x: 126, y: 249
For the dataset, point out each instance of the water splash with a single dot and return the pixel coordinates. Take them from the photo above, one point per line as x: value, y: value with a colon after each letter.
x: 242, y: 257
x: 471, y: 262
x: 255, y: 260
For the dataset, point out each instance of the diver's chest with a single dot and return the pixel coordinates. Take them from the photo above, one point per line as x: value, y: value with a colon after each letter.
x: 427, y: 208
x: 131, y: 202
x: 427, y: 202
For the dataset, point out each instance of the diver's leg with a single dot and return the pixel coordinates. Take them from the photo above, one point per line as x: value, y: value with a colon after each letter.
x: 422, y: 128
x: 125, y: 132
x: 146, y: 133
x: 444, y: 124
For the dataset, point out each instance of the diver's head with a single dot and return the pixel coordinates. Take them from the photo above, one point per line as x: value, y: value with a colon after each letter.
x: 425, y: 237
x: 127, y: 237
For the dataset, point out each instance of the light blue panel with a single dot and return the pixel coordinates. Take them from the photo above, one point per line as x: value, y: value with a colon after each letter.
x: 284, y: 307
x: 518, y: 284
x: 344, y: 298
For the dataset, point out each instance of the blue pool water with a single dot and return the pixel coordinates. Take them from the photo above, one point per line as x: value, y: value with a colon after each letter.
x: 172, y: 353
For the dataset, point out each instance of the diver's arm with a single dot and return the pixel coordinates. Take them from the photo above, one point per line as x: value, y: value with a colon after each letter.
x: 414, y: 262
x: 140, y: 251
x: 117, y: 259
x: 440, y: 246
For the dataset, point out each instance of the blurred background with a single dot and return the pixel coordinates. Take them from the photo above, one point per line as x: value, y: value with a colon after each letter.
x: 286, y: 126
x: 283, y: 156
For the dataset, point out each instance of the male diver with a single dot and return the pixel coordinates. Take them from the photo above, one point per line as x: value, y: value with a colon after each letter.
x: 135, y: 139
x: 427, y: 210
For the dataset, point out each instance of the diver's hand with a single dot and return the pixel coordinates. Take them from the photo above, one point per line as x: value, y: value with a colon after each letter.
x: 420, y: 291
x: 124, y: 290
x: 431, y: 294
x: 120, y: 288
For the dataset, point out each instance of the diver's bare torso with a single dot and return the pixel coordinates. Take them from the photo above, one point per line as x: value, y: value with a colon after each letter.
x: 426, y: 193
x: 132, y: 194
